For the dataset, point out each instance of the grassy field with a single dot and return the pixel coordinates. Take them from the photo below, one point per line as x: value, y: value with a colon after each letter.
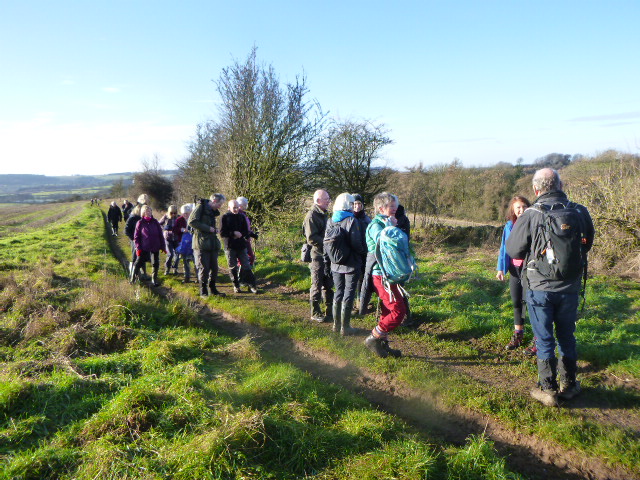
x: 104, y: 380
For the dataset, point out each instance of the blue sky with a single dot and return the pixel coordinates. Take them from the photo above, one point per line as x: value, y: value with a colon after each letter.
x: 96, y: 86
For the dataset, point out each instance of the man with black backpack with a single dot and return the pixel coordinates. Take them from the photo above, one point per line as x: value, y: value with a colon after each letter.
x: 553, y: 236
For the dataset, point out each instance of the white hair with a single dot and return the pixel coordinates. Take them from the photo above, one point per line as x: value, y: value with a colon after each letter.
x: 186, y: 208
x: 143, y: 199
x: 344, y: 201
x: 242, y: 201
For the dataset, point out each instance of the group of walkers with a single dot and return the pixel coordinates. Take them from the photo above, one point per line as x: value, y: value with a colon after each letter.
x: 191, y: 235
x: 360, y: 266
x: 543, y: 252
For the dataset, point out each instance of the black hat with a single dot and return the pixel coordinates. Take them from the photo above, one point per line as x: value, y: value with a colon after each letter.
x: 357, y: 198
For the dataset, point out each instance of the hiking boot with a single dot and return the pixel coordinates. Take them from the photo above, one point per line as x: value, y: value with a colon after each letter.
x: 567, y: 392
x: 253, y: 289
x: 214, y: 291
x: 317, y: 318
x: 516, y: 340
x: 166, y: 272
x: 531, y: 350
x: 391, y: 351
x: 546, y: 397
x: 375, y: 345
x: 204, y: 293
x: 236, y: 289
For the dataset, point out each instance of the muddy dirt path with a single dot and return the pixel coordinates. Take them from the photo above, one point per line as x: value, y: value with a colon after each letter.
x: 528, y: 454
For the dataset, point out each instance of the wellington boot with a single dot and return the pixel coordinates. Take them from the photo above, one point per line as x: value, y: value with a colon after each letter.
x: 337, y: 311
x: 214, y: 291
x: 204, y: 292
x: 154, y: 278
x: 346, y: 329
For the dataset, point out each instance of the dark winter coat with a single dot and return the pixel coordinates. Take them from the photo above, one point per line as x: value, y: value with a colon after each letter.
x: 404, y: 223
x: 314, y: 226
x: 356, y: 243
x: 148, y: 236
x: 114, y: 215
x: 202, y: 218
x: 168, y: 225
x: 519, y: 243
x: 234, y: 222
x: 130, y: 226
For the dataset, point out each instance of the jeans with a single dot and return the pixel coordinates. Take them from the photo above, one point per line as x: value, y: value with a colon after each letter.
x: 171, y: 255
x: 549, y: 309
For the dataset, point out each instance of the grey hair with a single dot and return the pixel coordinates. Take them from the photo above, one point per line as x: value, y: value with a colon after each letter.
x: 242, y: 201
x: 547, y: 180
x: 383, y: 200
x: 218, y: 198
x: 143, y: 198
x: 186, y: 208
x: 344, y: 201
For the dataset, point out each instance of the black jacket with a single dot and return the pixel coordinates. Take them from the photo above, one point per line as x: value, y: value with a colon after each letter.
x: 519, y: 243
x: 357, y: 244
x: 234, y: 222
x: 114, y: 215
x: 404, y: 223
x: 130, y: 226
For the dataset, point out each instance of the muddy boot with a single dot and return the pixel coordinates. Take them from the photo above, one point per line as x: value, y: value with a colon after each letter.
x: 154, y: 277
x: 391, y: 351
x: 346, y: 319
x: 316, y: 312
x: 375, y: 345
x: 203, y: 290
x: 569, y: 386
x: 214, y: 291
x: 547, y: 390
x: 337, y: 312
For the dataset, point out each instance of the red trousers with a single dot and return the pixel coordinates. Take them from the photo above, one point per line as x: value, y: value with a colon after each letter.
x: 393, y: 312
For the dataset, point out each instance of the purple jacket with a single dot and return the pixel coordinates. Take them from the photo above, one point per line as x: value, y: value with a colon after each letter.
x: 148, y: 236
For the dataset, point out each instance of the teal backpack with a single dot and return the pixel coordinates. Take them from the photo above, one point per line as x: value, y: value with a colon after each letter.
x: 393, y: 255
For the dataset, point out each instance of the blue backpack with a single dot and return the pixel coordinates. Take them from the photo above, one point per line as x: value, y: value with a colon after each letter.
x: 393, y: 255
x: 185, y: 248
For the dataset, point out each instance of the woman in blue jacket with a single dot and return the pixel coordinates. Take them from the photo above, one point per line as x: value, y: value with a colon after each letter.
x: 517, y: 206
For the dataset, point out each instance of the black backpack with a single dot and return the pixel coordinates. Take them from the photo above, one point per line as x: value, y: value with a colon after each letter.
x: 336, y: 243
x: 558, y: 242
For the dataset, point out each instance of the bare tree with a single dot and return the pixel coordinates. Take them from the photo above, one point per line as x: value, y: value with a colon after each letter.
x: 348, y: 156
x: 264, y: 134
x: 152, y: 182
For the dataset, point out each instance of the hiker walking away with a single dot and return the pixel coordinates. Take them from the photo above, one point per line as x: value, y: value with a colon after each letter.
x: 315, y: 223
x: 114, y: 215
x: 184, y: 250
x: 172, y: 237
x: 234, y: 232
x: 127, y: 206
x: 513, y: 267
x: 129, y: 231
x: 553, y: 236
x: 243, y: 203
x: 345, y: 247
x: 149, y: 243
x: 206, y: 245
x: 393, y: 308
x: 364, y: 220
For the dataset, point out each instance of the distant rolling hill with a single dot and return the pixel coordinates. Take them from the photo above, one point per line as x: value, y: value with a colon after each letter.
x: 22, y: 188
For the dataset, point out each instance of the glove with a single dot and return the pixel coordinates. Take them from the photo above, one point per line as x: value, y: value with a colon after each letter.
x: 253, y: 235
x: 138, y: 252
